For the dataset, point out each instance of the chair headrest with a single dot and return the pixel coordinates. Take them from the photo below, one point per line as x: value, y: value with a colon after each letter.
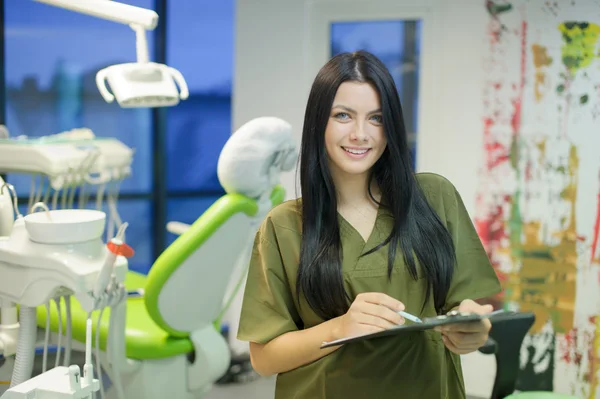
x: 255, y: 155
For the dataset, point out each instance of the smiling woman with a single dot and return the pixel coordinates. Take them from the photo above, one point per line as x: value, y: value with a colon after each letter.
x: 369, y: 238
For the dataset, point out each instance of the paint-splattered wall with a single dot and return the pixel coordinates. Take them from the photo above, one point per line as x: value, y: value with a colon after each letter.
x: 538, y: 211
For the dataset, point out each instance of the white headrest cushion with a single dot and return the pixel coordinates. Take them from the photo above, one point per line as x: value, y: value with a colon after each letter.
x: 255, y: 155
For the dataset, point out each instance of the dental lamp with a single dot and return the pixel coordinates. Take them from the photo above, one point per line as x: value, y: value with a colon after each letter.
x: 136, y: 84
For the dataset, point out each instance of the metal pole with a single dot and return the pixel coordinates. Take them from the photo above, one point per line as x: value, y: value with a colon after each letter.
x: 159, y: 144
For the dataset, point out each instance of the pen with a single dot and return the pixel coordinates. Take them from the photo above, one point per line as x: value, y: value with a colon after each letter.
x: 410, y: 317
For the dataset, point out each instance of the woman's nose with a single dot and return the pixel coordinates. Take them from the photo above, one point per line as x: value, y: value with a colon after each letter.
x: 359, y: 134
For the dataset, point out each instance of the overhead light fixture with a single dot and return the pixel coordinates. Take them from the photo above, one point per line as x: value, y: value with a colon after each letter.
x: 136, y: 84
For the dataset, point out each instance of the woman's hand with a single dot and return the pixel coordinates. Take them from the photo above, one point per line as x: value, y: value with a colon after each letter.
x: 370, y: 312
x: 467, y: 337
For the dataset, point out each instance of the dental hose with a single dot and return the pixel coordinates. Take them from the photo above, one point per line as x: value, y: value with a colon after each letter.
x: 25, y: 346
x: 46, y: 339
x: 67, y: 361
x: 59, y: 343
x: 98, y: 362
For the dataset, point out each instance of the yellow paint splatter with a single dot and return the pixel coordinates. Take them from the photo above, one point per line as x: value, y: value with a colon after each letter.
x: 546, y: 281
x: 540, y: 60
x: 594, y: 377
x: 578, y: 50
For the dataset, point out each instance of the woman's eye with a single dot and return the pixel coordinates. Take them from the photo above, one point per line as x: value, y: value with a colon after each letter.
x: 377, y: 118
x: 342, y: 115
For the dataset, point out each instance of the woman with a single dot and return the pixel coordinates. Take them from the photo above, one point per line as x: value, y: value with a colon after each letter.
x: 367, y: 239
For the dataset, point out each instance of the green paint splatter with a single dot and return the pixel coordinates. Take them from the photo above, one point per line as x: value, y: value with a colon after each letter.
x: 515, y: 223
x: 556, y: 320
x: 583, y: 99
x: 495, y: 9
x: 538, y: 254
x: 579, y: 44
x: 560, y: 88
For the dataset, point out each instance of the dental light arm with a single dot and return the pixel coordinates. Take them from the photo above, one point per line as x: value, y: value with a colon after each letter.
x: 110, y: 10
x: 142, y: 84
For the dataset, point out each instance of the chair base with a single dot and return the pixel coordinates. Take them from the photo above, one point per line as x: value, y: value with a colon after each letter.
x: 158, y: 379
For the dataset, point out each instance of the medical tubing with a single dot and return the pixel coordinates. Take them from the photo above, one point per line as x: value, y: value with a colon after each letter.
x: 65, y: 193
x: 46, y: 339
x: 31, y: 193
x: 100, y: 196
x: 25, y: 346
x: 98, y: 362
x: 72, y: 195
x: 38, y: 195
x: 69, y: 333
x: 55, y: 199
x: 59, y: 343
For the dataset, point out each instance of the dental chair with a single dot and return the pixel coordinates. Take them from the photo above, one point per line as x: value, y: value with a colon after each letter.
x: 172, y: 344
x: 506, y: 338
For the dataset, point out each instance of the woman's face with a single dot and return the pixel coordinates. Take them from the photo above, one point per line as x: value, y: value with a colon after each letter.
x: 354, y: 136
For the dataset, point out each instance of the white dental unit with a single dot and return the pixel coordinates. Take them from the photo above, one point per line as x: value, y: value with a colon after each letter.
x: 60, y: 251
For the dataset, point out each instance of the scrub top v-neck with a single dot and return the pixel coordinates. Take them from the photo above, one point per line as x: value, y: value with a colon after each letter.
x: 416, y: 365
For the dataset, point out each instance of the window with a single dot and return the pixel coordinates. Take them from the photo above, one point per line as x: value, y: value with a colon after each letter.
x: 51, y: 59
x: 187, y: 210
x: 200, y: 45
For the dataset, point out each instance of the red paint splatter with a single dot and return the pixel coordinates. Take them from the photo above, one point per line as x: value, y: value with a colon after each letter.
x: 491, y: 231
x: 577, y: 343
x: 518, y: 101
x: 570, y: 342
x: 528, y: 171
x: 495, y: 151
x: 596, y: 232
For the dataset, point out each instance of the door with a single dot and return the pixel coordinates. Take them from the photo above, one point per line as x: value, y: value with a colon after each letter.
x: 394, y: 31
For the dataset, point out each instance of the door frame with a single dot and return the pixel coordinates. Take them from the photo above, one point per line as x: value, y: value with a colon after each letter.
x: 320, y: 14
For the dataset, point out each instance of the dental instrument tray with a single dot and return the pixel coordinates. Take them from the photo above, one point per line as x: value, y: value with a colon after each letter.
x: 430, y: 323
x: 62, y: 154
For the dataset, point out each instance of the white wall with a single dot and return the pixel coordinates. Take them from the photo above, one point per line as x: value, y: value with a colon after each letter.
x: 271, y: 62
x: 270, y: 69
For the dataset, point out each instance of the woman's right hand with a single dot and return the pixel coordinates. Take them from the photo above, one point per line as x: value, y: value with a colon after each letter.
x: 370, y: 312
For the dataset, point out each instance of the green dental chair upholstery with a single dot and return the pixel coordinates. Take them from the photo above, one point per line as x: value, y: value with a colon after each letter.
x: 172, y: 348
x: 506, y: 338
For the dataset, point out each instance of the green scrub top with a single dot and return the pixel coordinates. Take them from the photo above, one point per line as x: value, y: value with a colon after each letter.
x: 414, y: 365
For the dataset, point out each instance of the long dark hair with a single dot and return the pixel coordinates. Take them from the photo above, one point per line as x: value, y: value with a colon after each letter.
x: 417, y: 229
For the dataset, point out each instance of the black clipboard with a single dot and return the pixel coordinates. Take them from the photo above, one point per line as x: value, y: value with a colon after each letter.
x: 428, y: 324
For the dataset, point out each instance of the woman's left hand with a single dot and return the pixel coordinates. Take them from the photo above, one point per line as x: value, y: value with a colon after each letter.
x: 467, y: 337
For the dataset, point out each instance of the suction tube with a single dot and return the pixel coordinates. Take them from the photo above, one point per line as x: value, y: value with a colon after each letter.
x: 25, y: 346
x: 115, y: 346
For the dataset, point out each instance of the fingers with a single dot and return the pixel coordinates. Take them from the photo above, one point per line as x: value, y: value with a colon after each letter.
x: 381, y: 312
x: 463, y: 343
x: 451, y: 347
x: 464, y: 340
x: 376, y: 311
x: 379, y: 298
x: 482, y: 326
x: 470, y: 306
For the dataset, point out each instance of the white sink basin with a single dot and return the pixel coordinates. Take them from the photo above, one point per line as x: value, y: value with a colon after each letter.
x: 65, y: 226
